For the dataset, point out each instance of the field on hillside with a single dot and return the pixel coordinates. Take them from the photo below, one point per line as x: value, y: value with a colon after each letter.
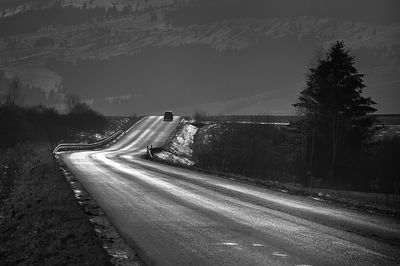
x: 389, y: 124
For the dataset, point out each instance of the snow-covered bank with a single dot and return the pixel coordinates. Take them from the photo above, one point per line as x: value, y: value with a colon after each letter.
x: 179, y: 149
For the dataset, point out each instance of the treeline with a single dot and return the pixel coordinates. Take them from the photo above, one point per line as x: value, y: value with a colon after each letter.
x: 25, y: 128
x: 36, y: 19
x: 332, y: 143
x: 261, y: 151
x: 271, y: 152
x: 30, y: 95
x: 39, y: 123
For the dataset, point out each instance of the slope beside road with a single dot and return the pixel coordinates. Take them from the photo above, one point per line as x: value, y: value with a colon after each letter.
x: 174, y: 216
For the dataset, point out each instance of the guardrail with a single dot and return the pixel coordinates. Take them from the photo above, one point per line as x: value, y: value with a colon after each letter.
x: 151, y: 150
x: 85, y: 146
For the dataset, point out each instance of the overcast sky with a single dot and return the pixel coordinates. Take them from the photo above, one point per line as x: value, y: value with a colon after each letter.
x: 219, y: 56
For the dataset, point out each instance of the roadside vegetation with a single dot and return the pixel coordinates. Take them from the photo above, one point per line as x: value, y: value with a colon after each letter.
x: 42, y: 124
x: 41, y: 223
x: 270, y: 152
x: 331, y: 144
x: 260, y: 151
x: 21, y: 127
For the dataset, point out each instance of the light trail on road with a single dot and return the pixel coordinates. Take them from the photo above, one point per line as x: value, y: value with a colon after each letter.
x: 175, y: 216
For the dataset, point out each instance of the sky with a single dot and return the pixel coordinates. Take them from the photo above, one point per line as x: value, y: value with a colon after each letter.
x: 218, y: 57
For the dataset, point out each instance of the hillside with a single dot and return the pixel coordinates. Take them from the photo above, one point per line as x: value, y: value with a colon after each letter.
x: 225, y: 63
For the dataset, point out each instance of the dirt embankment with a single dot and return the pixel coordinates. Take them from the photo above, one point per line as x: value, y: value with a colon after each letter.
x: 41, y: 223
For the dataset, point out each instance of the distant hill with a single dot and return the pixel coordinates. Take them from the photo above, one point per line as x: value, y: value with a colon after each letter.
x: 220, y: 56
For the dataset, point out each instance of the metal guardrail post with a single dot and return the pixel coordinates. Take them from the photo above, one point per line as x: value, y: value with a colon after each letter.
x: 148, y: 150
x: 82, y: 146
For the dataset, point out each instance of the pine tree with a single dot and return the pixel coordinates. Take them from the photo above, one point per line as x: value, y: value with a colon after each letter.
x: 335, y: 116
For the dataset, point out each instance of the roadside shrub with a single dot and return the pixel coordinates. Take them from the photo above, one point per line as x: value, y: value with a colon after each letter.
x: 385, y: 165
x: 39, y: 123
x: 12, y: 163
x: 14, y: 126
x: 375, y: 170
x: 261, y: 151
x: 82, y: 117
x: 270, y: 152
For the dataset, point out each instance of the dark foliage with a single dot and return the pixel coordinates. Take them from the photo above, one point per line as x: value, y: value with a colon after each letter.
x: 375, y: 171
x: 382, y: 166
x: 36, y: 96
x: 274, y: 153
x: 82, y: 117
x: 14, y: 126
x: 39, y: 123
x: 12, y: 95
x: 13, y: 92
x: 336, y: 124
x: 262, y: 151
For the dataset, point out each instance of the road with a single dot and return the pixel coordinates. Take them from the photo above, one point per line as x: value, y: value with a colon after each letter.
x: 175, y: 216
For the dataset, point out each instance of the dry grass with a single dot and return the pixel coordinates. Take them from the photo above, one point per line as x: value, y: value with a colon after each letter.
x: 390, y: 202
x: 42, y: 224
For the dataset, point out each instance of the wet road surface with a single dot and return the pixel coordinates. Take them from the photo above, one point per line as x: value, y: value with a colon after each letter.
x: 174, y: 216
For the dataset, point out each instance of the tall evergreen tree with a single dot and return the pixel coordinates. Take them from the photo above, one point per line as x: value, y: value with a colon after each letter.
x: 336, y: 117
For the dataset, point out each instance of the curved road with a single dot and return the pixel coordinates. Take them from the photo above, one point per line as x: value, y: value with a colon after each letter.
x: 174, y: 216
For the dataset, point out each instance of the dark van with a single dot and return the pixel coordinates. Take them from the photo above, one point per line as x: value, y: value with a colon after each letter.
x: 168, y: 116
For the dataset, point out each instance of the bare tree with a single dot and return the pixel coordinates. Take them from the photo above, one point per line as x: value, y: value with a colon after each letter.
x: 199, y: 115
x: 14, y: 95
x: 71, y: 100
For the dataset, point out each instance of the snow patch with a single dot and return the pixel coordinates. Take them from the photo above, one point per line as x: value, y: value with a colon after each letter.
x: 168, y: 156
x: 182, y: 144
x: 180, y: 148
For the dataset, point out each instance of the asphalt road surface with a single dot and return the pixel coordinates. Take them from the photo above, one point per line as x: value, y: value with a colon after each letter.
x: 174, y: 216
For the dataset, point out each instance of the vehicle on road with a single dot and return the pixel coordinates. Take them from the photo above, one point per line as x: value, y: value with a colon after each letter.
x: 168, y: 116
